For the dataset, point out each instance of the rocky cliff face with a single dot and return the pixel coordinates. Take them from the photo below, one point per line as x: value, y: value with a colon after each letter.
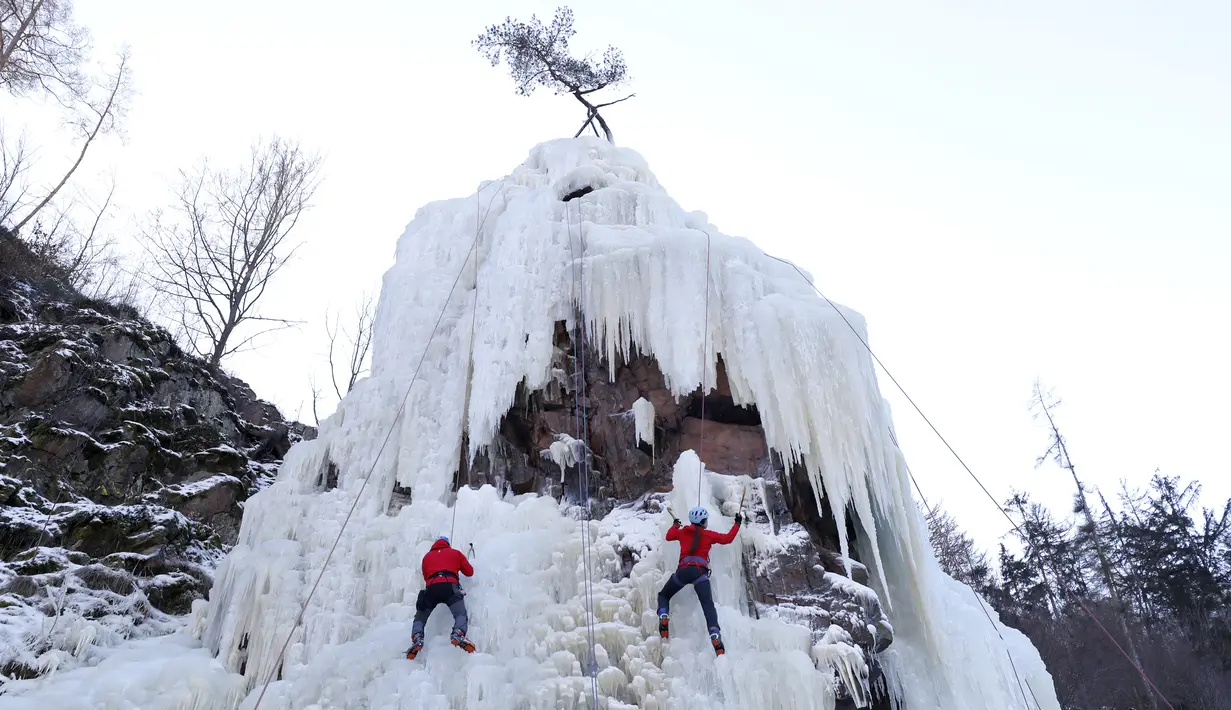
x: 124, y: 466
x: 803, y: 582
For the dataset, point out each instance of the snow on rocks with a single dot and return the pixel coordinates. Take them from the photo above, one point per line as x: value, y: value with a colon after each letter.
x: 123, y: 466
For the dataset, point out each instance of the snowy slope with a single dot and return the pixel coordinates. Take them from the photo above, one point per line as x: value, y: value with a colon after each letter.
x: 634, y: 263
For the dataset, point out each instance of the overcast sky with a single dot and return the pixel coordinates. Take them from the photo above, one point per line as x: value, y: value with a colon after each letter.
x: 1005, y: 191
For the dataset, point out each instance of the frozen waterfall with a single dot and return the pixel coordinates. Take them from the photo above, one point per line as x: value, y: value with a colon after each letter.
x: 632, y: 261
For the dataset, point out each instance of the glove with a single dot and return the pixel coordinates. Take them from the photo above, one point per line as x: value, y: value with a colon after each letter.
x: 739, y: 518
x: 676, y: 522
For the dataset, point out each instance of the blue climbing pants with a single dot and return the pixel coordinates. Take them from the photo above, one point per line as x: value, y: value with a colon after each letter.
x: 699, y: 578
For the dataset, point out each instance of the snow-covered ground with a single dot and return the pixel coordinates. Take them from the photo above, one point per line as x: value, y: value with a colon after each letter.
x: 634, y: 262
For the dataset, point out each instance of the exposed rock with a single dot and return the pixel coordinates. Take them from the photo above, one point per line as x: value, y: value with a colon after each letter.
x: 802, y: 583
x: 731, y: 448
x: 124, y: 464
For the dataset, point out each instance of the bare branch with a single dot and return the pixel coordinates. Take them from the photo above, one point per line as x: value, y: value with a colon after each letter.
x: 332, y: 332
x: 41, y: 48
x: 360, y: 345
x: 102, y: 116
x: 613, y: 103
x: 14, y: 164
x: 215, y: 263
x: 316, y: 397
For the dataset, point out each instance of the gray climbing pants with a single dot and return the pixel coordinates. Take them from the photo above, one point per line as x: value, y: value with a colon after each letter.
x: 434, y: 595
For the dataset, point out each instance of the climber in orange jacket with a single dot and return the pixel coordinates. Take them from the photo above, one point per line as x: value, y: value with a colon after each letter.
x: 694, y: 568
x: 441, y: 566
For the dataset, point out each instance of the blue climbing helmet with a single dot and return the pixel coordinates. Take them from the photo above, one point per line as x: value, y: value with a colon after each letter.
x: 445, y: 538
x: 698, y: 515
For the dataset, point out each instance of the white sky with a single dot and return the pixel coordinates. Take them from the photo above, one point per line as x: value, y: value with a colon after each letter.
x: 1003, y: 191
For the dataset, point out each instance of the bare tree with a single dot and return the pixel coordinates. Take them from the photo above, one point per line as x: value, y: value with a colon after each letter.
x: 42, y: 52
x: 98, y: 113
x: 41, y: 47
x: 316, y: 399
x: 14, y: 165
x: 352, y: 352
x: 1043, y: 403
x: 956, y: 551
x: 538, y: 55
x: 215, y: 263
x: 358, y: 345
x: 82, y: 255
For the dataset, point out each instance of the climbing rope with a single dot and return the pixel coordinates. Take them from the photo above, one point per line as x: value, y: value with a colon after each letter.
x: 405, y: 398
x: 582, y: 428
x: 474, y: 312
x: 1029, y: 544
x: 978, y: 599
x: 705, y: 363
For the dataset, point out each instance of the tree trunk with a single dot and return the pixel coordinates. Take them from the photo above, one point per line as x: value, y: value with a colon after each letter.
x: 1102, y: 558
x: 592, y: 113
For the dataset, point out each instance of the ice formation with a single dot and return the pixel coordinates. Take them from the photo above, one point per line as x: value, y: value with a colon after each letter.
x: 565, y: 451
x: 632, y: 262
x: 643, y: 412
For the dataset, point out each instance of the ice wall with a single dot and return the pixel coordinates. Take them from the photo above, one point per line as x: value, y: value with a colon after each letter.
x: 633, y: 263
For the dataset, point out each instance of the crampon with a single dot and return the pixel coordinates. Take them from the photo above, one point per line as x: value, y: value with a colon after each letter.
x: 415, y: 648
x: 459, y: 639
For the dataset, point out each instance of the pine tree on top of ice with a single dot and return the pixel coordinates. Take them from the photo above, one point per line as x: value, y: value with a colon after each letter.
x: 538, y: 55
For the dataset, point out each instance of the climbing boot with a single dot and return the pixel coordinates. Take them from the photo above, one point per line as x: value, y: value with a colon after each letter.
x: 415, y: 647
x: 459, y: 639
x: 662, y: 625
x: 716, y: 640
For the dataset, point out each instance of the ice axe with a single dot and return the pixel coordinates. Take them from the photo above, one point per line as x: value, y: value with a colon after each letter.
x: 741, y: 501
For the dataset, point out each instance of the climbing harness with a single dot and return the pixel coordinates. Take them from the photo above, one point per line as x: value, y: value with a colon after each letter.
x: 1030, y: 546
x: 582, y: 427
x: 359, y: 495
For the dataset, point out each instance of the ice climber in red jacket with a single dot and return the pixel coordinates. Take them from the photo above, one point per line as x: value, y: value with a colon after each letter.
x: 441, y: 566
x: 695, y: 542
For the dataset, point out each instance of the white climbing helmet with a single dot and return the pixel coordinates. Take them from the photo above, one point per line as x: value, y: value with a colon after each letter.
x: 698, y: 515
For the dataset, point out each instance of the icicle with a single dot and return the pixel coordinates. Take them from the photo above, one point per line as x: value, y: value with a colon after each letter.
x: 643, y: 411
x: 565, y: 451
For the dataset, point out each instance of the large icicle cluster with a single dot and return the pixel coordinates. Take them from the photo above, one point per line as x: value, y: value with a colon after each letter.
x: 629, y: 259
